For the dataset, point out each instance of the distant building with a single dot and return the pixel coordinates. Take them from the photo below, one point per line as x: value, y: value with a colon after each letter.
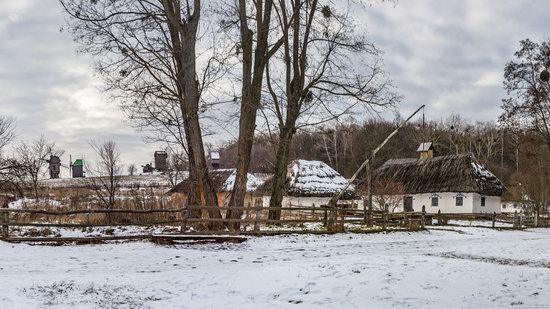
x: 147, y: 168
x: 54, y: 166
x: 310, y: 184
x: 161, y: 161
x: 78, y: 168
x: 452, y: 184
x: 223, y: 181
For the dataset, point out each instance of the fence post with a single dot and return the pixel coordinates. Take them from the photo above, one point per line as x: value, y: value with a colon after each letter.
x: 423, y: 223
x: 494, y: 219
x: 384, y: 220
x: 439, y: 217
x: 515, y: 224
x: 184, y: 217
x: 5, y: 220
x: 325, y: 218
x: 257, y: 217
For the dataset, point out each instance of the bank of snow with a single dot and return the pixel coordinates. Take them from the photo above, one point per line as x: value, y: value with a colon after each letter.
x: 465, y: 268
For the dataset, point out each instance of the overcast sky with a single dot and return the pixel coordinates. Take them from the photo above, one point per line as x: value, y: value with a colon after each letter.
x: 447, y: 54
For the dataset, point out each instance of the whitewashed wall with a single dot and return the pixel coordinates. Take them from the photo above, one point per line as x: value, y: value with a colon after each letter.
x: 492, y: 204
x: 291, y: 201
x: 510, y: 207
x: 447, y: 203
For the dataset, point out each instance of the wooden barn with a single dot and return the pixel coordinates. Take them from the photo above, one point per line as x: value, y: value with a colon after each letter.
x: 452, y: 184
x: 309, y: 183
x: 223, y: 181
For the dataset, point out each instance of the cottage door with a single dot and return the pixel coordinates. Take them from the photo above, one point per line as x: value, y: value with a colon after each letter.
x: 408, y: 203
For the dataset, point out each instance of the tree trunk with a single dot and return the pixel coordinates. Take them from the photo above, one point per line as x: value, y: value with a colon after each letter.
x: 204, y: 189
x: 247, y: 126
x: 183, y: 36
x: 279, y: 177
x: 254, y: 62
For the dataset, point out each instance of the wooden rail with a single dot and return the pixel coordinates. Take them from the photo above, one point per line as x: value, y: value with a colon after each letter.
x: 255, y: 220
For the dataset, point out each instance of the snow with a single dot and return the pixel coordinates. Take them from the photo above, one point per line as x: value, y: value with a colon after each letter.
x: 482, y: 171
x: 315, y: 178
x: 135, y: 181
x: 25, y: 202
x: 252, y: 183
x: 463, y: 267
x: 214, y: 155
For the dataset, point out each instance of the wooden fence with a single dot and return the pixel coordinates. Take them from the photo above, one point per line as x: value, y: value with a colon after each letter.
x: 194, y: 220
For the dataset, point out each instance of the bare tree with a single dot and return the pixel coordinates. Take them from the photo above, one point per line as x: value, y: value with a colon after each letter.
x: 105, y: 175
x: 176, y: 166
x: 32, y: 160
x: 146, y: 52
x: 132, y: 169
x: 387, y: 195
x: 323, y: 71
x: 10, y: 169
x: 254, y: 60
x: 527, y: 82
x: 6, y: 131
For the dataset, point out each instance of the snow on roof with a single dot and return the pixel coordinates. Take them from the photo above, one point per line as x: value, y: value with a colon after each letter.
x: 424, y: 146
x: 214, y: 155
x: 453, y: 173
x: 223, y: 180
x: 315, y: 178
x: 252, y: 183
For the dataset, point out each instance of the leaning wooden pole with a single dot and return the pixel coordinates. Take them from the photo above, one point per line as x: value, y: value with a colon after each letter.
x: 337, y: 196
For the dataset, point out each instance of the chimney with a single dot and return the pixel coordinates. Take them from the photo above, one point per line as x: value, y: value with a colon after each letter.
x: 426, y: 150
x: 215, y: 160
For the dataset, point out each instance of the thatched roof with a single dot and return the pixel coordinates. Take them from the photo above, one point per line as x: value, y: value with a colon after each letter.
x: 456, y: 173
x: 309, y: 179
x: 223, y: 180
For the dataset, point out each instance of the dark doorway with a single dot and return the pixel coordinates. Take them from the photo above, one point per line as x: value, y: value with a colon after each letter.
x: 408, y: 203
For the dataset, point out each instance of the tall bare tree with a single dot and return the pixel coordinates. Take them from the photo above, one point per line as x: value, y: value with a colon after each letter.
x: 32, y: 161
x: 9, y: 167
x: 146, y: 52
x: 526, y: 80
x: 106, y: 173
x: 255, y: 14
x: 323, y: 71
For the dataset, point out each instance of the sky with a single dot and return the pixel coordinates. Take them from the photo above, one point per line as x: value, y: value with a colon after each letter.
x: 447, y: 54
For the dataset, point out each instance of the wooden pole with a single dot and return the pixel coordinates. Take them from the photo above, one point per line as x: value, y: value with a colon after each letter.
x: 423, y: 222
x: 369, y: 185
x: 184, y: 217
x: 494, y: 219
x: 337, y: 196
x: 5, y: 220
x: 257, y: 217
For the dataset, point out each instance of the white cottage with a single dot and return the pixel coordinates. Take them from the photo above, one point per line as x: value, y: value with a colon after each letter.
x: 452, y: 184
x: 309, y: 183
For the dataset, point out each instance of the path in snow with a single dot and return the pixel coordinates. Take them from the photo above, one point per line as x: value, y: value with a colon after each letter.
x: 479, y: 268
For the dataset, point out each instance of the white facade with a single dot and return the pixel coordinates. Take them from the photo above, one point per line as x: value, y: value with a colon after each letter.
x: 292, y: 201
x: 510, y: 207
x: 447, y: 203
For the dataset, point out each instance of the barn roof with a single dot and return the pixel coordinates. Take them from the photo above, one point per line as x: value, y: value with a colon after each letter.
x: 310, y: 179
x: 223, y: 180
x: 456, y: 173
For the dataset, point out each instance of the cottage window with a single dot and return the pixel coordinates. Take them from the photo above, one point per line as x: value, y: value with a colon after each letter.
x: 435, y: 201
x: 459, y: 201
x: 483, y: 201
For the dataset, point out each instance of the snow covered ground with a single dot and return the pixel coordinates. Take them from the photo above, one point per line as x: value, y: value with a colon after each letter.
x: 462, y: 267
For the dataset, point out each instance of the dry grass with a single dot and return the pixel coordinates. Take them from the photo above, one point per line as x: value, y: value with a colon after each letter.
x: 68, y: 199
